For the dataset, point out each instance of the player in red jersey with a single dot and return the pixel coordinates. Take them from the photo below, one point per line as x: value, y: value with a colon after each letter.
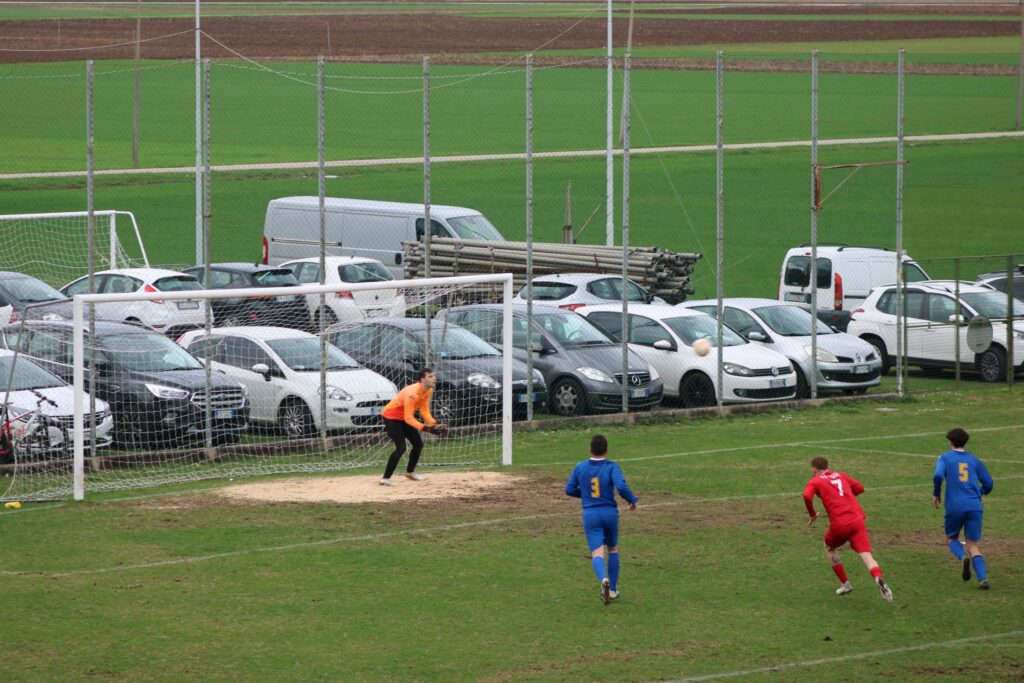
x: 838, y: 492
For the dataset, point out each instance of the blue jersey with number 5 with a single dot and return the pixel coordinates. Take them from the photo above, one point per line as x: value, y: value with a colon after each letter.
x: 967, y: 480
x: 595, y: 482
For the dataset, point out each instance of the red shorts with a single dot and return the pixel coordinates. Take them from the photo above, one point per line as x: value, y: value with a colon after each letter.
x: 855, y: 534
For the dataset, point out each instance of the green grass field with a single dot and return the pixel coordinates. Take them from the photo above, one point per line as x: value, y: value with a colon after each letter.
x: 719, y: 576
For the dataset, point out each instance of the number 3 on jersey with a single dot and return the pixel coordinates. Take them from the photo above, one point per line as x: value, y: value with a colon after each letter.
x: 838, y: 483
x: 595, y: 487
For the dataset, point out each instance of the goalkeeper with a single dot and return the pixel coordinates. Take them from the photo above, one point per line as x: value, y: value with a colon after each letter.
x: 401, y: 424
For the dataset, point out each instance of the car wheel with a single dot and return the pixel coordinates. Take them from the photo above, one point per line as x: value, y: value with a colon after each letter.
x: 328, y: 317
x: 442, y: 407
x: 294, y: 419
x: 803, y: 389
x: 567, y: 398
x: 992, y: 364
x: 696, y: 390
x: 880, y: 349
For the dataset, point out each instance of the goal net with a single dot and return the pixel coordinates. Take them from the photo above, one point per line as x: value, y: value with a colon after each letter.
x: 273, y: 379
x: 54, y: 247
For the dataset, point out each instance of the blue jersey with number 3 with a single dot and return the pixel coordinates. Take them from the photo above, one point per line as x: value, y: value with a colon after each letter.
x: 595, y: 482
x: 967, y: 480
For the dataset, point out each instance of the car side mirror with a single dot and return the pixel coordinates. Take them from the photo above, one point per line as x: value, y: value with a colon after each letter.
x: 262, y: 369
x: 663, y: 344
x: 3, y: 301
x: 757, y: 336
x: 956, y: 318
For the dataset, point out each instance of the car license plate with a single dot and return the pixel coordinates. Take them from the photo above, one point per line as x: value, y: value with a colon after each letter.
x: 861, y: 369
x: 376, y: 410
x: 639, y: 393
x: 188, y: 305
x: 776, y: 383
x: 794, y: 296
x: 224, y: 414
x: 523, y: 398
x: 286, y: 297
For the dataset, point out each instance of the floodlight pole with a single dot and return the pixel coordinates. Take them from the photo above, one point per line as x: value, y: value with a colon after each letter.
x: 199, y: 145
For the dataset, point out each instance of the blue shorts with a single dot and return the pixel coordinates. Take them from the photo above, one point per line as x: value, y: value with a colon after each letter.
x: 969, y: 521
x: 601, y: 526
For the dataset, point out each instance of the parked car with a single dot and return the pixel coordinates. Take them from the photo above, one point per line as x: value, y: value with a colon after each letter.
x: 664, y: 336
x: 376, y: 303
x: 288, y: 310
x: 170, y: 317
x: 24, y: 383
x: 932, y: 326
x: 468, y: 368
x: 846, y: 275
x: 999, y: 281
x: 25, y: 296
x: 280, y: 367
x: 360, y: 227
x: 581, y: 365
x: 156, y: 390
x: 572, y: 290
x: 844, y: 362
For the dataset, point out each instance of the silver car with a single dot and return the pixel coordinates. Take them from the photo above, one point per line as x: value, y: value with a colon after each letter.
x: 573, y: 290
x: 845, y: 362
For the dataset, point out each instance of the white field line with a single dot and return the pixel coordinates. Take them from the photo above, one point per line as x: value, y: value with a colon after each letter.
x: 419, y: 531
x: 933, y: 456
x: 851, y: 657
x: 569, y: 154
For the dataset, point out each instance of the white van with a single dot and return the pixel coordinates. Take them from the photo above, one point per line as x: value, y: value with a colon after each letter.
x: 846, y: 275
x: 358, y: 227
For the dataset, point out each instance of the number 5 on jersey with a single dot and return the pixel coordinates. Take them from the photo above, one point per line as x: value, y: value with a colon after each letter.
x: 964, y: 472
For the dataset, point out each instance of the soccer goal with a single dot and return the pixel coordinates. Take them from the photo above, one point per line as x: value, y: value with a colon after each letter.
x: 54, y: 247
x: 279, y: 390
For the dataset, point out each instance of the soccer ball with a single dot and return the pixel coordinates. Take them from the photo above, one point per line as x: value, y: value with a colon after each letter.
x: 702, y: 347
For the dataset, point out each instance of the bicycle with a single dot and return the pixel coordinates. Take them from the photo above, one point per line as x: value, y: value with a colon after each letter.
x: 30, y: 435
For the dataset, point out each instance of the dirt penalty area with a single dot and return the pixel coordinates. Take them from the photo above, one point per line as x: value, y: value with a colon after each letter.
x: 366, y: 489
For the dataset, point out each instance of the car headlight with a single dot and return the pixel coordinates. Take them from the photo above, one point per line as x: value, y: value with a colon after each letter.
x: 823, y: 355
x: 479, y: 379
x: 595, y: 374
x: 654, y: 374
x: 169, y: 393
x: 734, y: 369
x: 337, y: 393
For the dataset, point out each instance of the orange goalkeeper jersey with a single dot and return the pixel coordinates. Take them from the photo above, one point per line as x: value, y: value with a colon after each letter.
x: 407, y: 402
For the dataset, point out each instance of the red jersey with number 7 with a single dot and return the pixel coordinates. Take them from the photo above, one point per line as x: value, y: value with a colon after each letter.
x: 838, y: 492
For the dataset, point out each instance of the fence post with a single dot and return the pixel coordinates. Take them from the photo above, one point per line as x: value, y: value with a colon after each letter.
x: 719, y: 220
x: 1009, y: 321
x: 812, y: 381
x: 90, y: 114
x: 625, y: 233
x: 426, y: 196
x: 900, y: 271
x: 322, y: 219
x: 529, y: 236
x: 956, y: 325
x: 1020, y: 70
x: 207, y: 231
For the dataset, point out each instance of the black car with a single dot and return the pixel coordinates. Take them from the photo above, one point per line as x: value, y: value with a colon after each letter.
x: 155, y: 388
x: 278, y: 311
x: 32, y: 298
x: 468, y: 368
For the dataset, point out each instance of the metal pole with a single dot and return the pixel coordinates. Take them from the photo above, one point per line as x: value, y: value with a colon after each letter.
x: 207, y: 231
x: 900, y: 271
x: 322, y: 217
x: 812, y: 381
x: 956, y: 325
x: 1009, y: 321
x: 199, y: 143
x: 719, y: 217
x: 138, y: 60
x: 90, y: 163
x: 426, y: 194
x: 78, y: 404
x: 529, y: 236
x: 609, y: 226
x: 506, y: 372
x: 1020, y: 71
x: 625, y: 233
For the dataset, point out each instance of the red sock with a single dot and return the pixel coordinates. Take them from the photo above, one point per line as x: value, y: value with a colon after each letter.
x: 876, y: 572
x: 840, y: 572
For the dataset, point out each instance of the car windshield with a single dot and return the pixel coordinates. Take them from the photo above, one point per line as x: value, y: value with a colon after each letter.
x: 694, y: 327
x: 455, y: 343
x: 790, y: 321
x: 571, y: 329
x: 27, y: 375
x: 549, y: 291
x: 147, y: 353
x: 371, y: 271
x: 992, y: 305
x: 274, y: 278
x: 303, y: 355
x: 475, y: 228
x: 30, y: 290
x: 177, y: 283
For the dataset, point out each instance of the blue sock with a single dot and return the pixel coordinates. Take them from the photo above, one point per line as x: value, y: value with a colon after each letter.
x: 598, y: 563
x: 979, y: 567
x: 613, y: 570
x: 956, y: 548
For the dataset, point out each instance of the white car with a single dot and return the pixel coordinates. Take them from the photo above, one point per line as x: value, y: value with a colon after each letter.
x: 34, y: 388
x: 664, y: 335
x: 572, y: 290
x: 932, y: 326
x: 280, y: 368
x: 844, y: 361
x: 345, y: 306
x: 170, y: 317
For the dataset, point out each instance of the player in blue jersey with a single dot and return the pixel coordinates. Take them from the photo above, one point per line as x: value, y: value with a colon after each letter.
x: 967, y: 481
x: 595, y: 482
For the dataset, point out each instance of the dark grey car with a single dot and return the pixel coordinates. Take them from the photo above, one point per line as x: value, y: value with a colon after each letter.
x: 32, y: 298
x: 581, y: 365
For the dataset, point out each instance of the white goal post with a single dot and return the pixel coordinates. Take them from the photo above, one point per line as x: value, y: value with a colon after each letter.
x: 482, y: 437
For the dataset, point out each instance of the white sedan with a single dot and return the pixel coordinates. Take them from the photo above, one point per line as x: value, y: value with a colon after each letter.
x: 170, y: 317
x: 280, y: 368
x: 664, y: 336
x: 573, y: 290
x: 345, y: 306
